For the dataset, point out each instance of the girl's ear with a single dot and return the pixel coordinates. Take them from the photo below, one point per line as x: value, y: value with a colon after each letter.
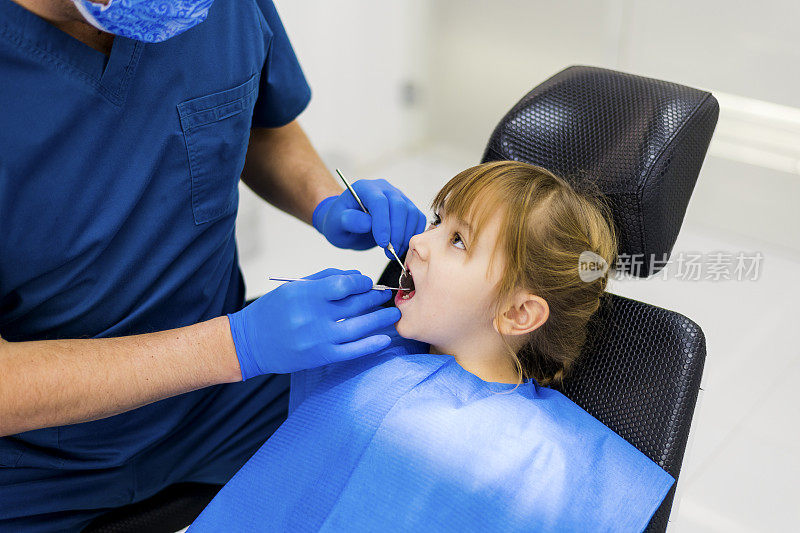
x: 525, y: 313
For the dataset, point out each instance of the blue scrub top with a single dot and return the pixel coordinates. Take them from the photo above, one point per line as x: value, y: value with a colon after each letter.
x: 118, y: 195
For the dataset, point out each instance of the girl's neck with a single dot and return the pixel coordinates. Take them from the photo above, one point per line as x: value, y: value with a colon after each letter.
x: 498, y: 368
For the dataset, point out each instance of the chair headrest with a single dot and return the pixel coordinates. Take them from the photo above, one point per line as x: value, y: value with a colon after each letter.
x: 641, y: 140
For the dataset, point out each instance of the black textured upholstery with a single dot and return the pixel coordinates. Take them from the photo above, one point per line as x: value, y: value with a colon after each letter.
x: 642, y: 141
x: 170, y: 510
x: 640, y: 375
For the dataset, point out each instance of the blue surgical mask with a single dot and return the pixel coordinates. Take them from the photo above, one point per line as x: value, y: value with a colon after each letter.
x: 150, y: 21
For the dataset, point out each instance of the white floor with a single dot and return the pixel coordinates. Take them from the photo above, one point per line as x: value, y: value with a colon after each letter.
x: 742, y: 464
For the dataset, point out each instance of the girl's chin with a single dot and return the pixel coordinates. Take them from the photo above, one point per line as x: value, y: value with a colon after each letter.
x: 407, y: 332
x: 404, y: 328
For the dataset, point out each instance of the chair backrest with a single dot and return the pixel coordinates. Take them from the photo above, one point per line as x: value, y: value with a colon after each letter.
x: 642, y: 142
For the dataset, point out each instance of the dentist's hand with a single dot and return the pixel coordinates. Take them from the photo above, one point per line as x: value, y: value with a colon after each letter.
x: 394, y: 218
x: 295, y: 326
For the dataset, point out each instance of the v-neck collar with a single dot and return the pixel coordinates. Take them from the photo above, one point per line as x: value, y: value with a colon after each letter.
x: 110, y: 75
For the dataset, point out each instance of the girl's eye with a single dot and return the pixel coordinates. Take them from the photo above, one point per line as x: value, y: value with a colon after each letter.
x: 456, y: 236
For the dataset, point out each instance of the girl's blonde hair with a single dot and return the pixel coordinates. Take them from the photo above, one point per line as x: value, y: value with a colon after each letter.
x: 546, y: 226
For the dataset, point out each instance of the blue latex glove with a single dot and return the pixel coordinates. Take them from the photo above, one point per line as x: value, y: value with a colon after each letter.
x: 297, y: 325
x: 394, y: 218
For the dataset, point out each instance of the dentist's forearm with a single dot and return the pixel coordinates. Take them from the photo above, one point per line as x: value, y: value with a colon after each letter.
x: 284, y: 169
x: 58, y: 382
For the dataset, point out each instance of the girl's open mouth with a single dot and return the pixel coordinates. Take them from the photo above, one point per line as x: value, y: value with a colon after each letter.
x: 407, y: 289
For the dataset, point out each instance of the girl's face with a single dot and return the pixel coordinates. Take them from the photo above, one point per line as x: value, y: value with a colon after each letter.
x: 451, y: 307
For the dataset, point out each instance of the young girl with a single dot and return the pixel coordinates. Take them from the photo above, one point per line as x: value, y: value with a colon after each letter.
x: 452, y: 428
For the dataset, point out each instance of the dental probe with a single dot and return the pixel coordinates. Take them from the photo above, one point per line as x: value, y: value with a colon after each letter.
x: 363, y: 208
x: 374, y: 287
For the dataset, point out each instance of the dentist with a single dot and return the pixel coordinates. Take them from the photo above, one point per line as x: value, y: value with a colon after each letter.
x: 127, y: 360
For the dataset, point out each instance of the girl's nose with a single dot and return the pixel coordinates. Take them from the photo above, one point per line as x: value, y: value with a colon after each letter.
x: 417, y: 244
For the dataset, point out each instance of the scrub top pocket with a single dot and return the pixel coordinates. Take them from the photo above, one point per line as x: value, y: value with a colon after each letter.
x: 216, y: 129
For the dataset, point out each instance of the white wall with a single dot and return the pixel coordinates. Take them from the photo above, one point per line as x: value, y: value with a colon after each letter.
x: 358, y: 57
x: 487, y: 55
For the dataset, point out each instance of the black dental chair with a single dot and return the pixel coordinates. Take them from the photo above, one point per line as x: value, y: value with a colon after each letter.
x: 642, y: 142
